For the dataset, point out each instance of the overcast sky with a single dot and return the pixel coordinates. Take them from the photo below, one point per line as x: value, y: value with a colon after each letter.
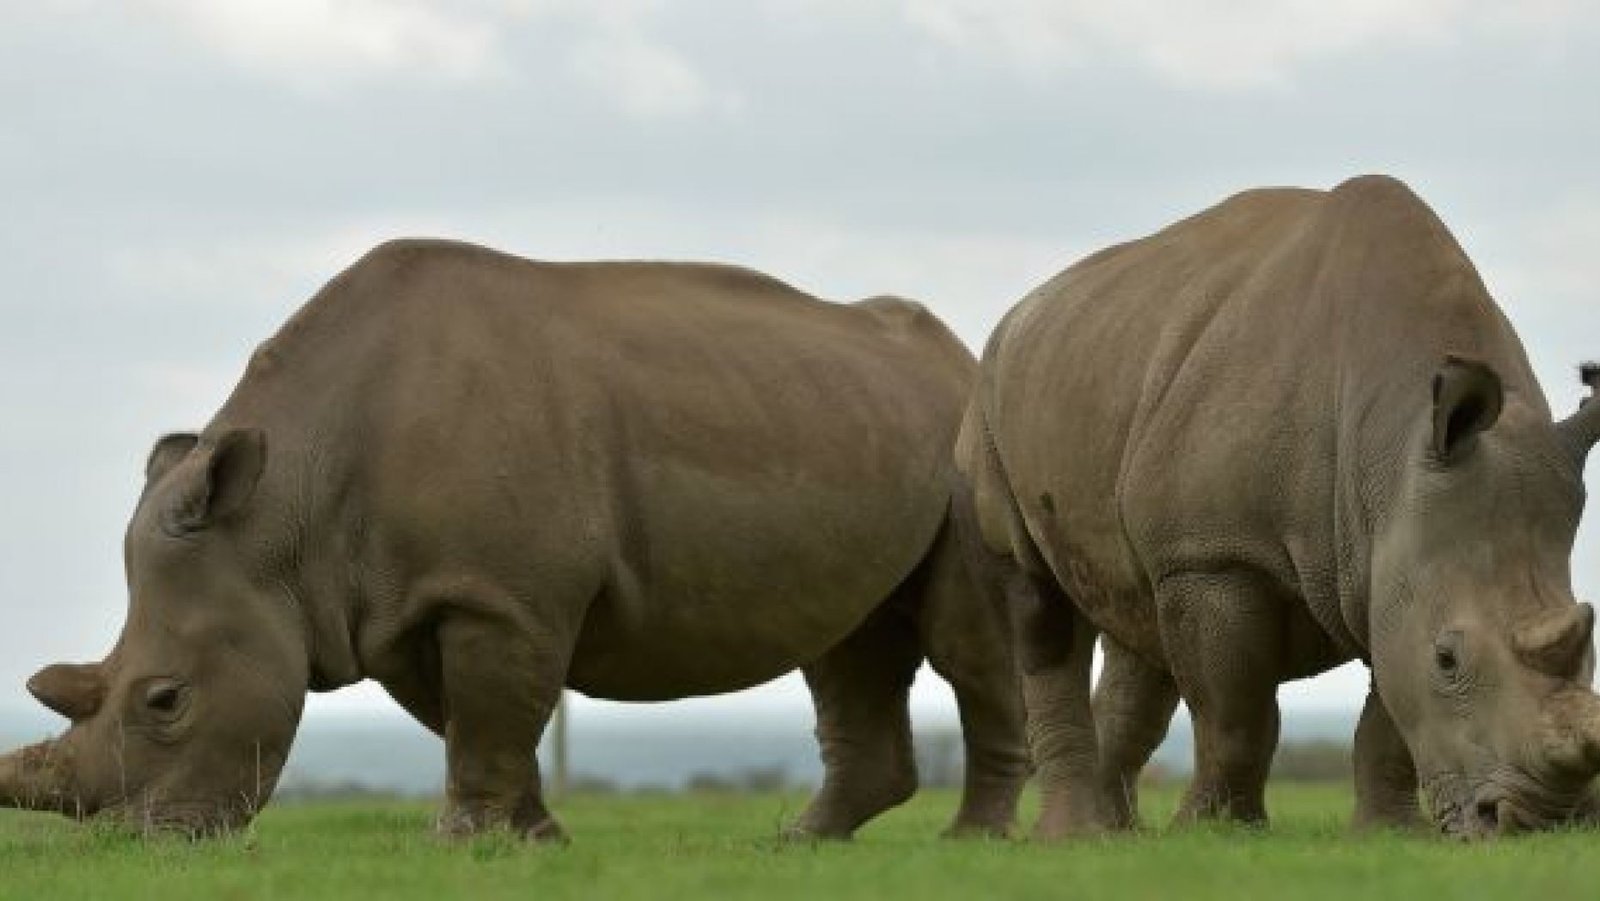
x: 179, y: 175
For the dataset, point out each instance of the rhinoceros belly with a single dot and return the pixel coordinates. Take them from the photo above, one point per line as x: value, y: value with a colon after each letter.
x: 720, y: 582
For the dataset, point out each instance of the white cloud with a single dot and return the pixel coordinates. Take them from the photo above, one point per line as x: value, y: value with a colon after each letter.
x: 1243, y: 44
x: 605, y: 45
x: 644, y: 79
x: 308, y: 40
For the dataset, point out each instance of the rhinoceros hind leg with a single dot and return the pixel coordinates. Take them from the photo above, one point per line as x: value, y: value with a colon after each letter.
x: 500, y: 687
x: 1386, y: 777
x: 861, y: 690
x: 1221, y: 631
x: 1133, y: 705
x: 966, y: 632
x: 1055, y: 643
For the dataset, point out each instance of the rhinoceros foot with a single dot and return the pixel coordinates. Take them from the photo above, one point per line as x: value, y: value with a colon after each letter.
x: 979, y: 831
x: 465, y: 820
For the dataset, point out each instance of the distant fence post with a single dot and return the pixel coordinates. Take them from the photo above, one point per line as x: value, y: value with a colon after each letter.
x: 556, y: 785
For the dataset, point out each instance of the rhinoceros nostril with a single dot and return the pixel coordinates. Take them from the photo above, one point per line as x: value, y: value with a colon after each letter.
x: 1488, y: 812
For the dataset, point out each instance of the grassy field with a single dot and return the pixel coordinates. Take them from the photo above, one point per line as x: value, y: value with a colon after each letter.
x: 716, y: 846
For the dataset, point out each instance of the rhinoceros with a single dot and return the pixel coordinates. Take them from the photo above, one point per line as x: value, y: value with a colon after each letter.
x: 1290, y: 431
x: 476, y: 479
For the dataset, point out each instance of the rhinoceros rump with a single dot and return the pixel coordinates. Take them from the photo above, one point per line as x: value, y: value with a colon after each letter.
x: 1290, y: 431
x: 476, y: 479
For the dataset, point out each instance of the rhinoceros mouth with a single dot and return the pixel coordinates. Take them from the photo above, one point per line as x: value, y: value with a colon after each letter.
x: 1505, y: 801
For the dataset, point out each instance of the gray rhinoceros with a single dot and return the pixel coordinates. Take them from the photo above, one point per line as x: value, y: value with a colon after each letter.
x: 1291, y: 431
x: 477, y: 479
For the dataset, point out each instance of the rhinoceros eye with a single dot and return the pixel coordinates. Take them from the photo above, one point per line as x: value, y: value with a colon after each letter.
x: 1445, y: 659
x: 163, y: 697
x: 1447, y: 653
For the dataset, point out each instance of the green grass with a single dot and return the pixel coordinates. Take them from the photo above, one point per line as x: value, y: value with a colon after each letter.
x: 725, y: 847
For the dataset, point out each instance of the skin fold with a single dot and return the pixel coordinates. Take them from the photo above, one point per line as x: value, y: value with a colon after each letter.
x: 478, y: 479
x: 1290, y: 431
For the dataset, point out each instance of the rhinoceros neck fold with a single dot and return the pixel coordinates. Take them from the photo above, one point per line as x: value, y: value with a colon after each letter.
x: 305, y: 544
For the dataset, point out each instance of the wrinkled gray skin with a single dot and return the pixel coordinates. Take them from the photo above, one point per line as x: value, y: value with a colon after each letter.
x: 1291, y: 431
x: 477, y: 478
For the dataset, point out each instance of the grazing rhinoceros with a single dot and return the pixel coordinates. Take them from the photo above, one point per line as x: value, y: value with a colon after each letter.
x: 1291, y: 431
x: 476, y: 478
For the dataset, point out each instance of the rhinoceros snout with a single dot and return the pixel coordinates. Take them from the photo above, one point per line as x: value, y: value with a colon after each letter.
x: 1487, y: 817
x: 1508, y: 803
x: 1493, y: 814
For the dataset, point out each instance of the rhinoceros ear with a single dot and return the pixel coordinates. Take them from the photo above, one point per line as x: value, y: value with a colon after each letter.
x: 1581, y: 430
x: 1556, y: 643
x: 168, y: 452
x: 223, y: 479
x: 1467, y: 399
x: 73, y: 690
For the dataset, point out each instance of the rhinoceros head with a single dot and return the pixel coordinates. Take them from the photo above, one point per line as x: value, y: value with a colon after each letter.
x: 187, y: 722
x: 1481, y: 653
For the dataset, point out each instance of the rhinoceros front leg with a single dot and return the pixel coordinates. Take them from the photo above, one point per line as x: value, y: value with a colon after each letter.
x: 499, y: 690
x: 1133, y: 705
x: 861, y: 689
x: 1223, y: 634
x: 1386, y: 776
